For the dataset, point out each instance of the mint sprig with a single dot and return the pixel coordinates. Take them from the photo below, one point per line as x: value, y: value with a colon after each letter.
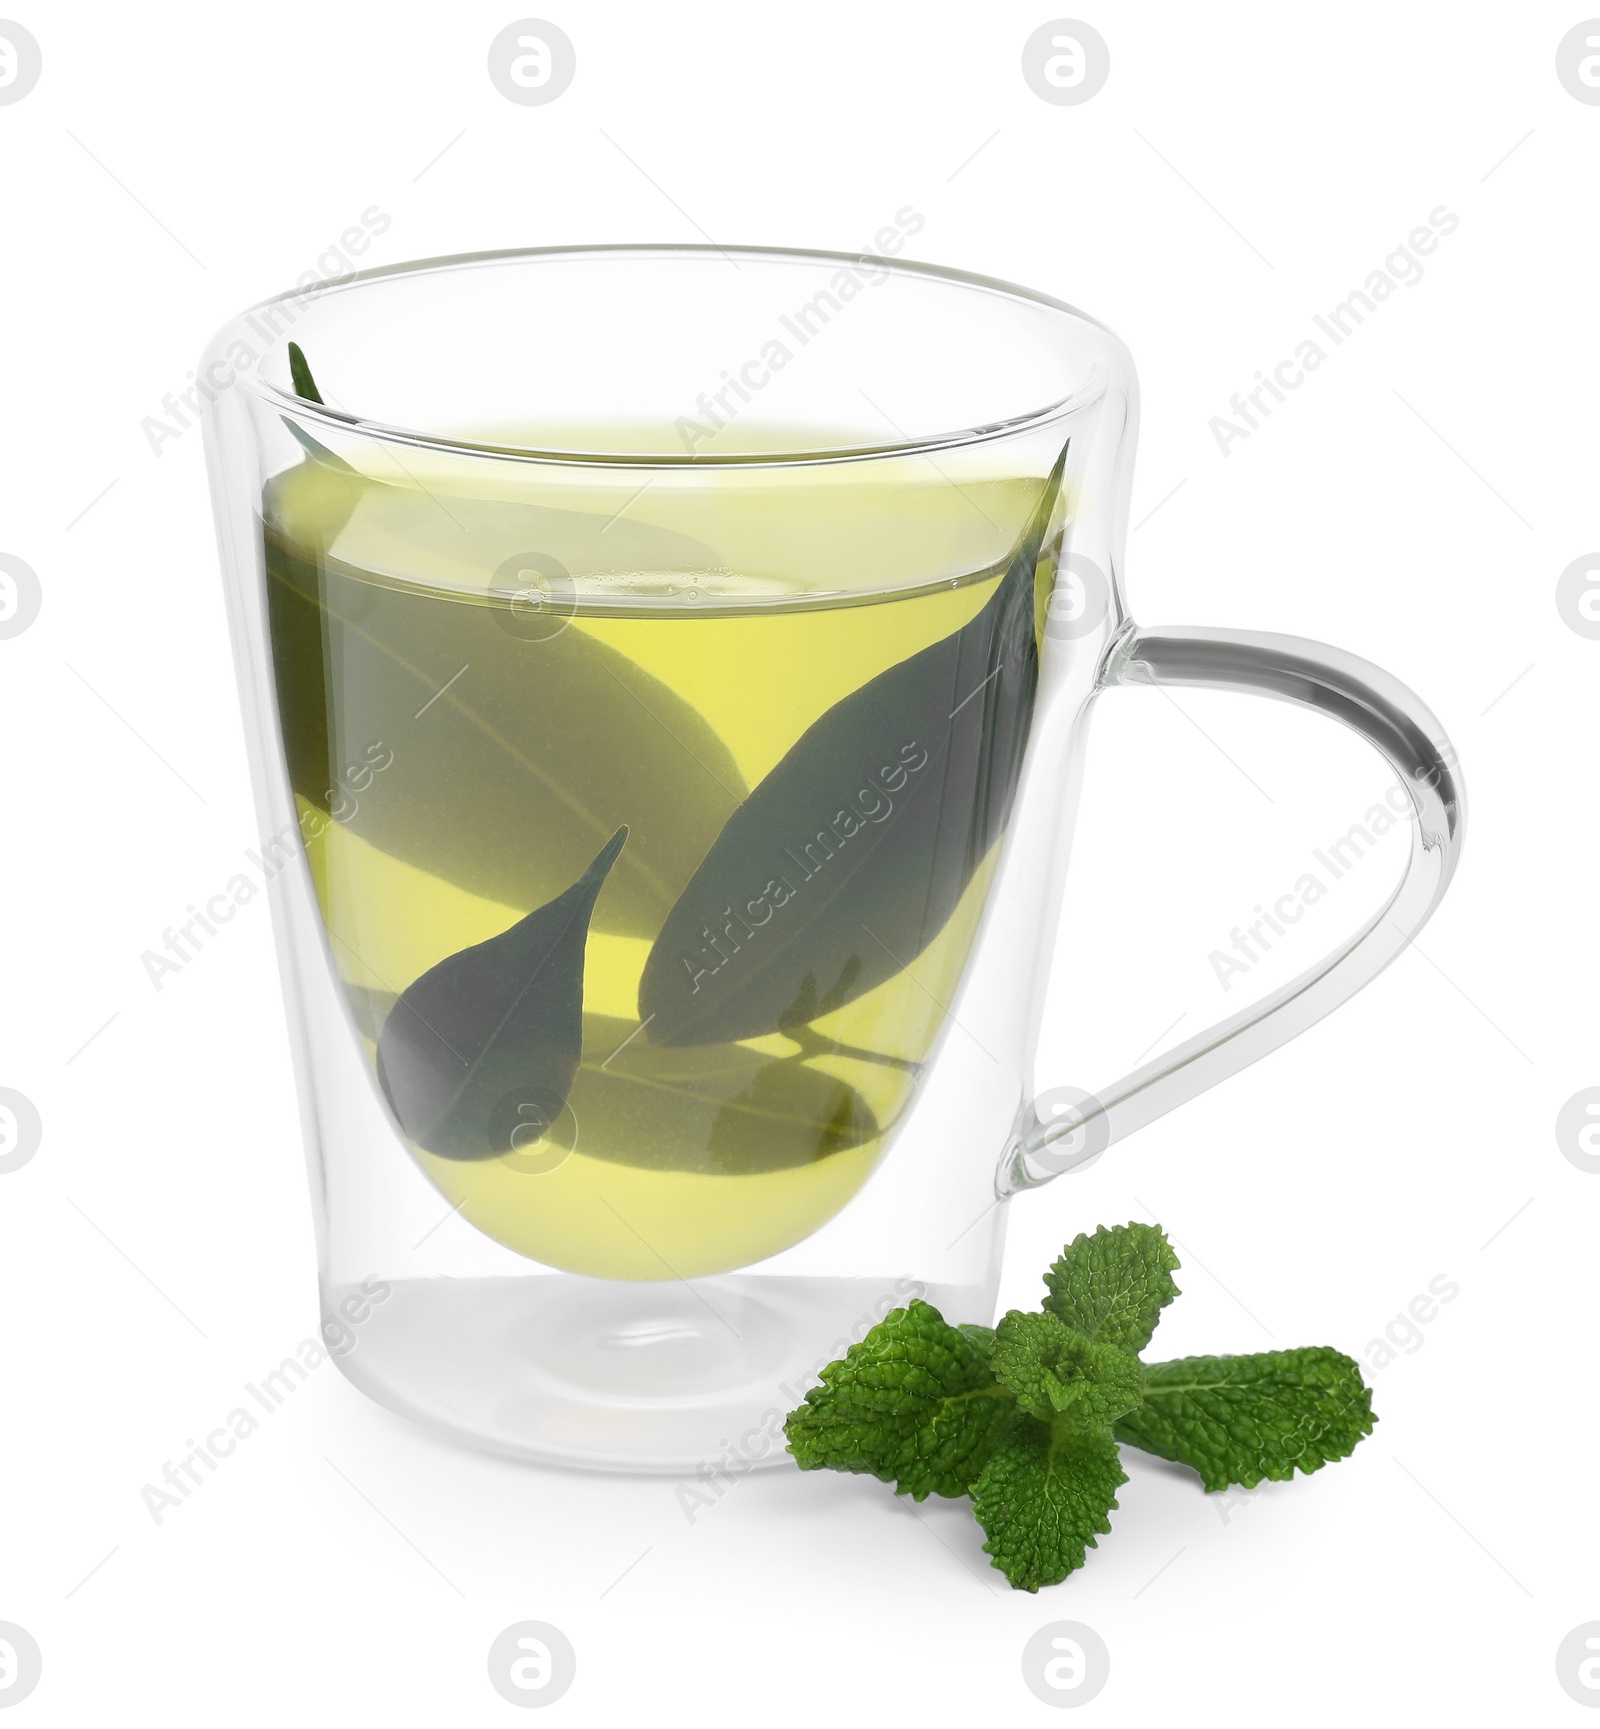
x: 1236, y: 1420
x: 913, y: 1404
x: 1027, y: 1419
x: 1112, y: 1286
x: 1061, y: 1375
x: 1043, y: 1499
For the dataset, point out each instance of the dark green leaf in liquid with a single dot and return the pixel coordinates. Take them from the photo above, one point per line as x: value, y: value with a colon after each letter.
x: 849, y: 858
x: 562, y: 740
x: 497, y: 1023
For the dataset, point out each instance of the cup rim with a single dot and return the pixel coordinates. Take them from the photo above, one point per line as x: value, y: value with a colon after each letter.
x: 1090, y: 391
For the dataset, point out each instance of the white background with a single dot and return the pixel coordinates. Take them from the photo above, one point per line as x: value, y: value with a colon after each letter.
x: 1415, y: 500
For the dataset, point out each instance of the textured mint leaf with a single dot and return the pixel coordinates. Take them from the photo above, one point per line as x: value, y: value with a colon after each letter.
x: 1044, y: 1498
x: 1112, y: 1285
x: 1058, y: 1373
x: 1236, y: 1420
x: 913, y: 1404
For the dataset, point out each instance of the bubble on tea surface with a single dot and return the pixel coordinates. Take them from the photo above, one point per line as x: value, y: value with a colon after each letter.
x: 535, y: 596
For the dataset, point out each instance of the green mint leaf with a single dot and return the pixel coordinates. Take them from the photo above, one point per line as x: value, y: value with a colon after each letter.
x: 1058, y: 1373
x: 1111, y: 1286
x: 1236, y: 1420
x: 1043, y: 1498
x: 913, y: 1404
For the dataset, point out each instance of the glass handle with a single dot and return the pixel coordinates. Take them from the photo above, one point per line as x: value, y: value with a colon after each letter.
x: 1400, y: 726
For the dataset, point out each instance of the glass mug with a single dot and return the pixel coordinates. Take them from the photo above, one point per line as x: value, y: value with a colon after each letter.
x: 666, y: 672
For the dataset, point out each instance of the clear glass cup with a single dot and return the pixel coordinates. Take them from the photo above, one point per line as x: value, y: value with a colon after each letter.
x: 667, y: 672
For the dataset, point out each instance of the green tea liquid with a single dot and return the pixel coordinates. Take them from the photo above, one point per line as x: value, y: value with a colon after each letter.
x: 458, y: 759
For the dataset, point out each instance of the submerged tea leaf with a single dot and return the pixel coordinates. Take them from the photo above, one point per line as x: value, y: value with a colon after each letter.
x: 513, y: 759
x: 325, y: 458
x: 848, y: 859
x: 500, y: 1021
x: 723, y: 1110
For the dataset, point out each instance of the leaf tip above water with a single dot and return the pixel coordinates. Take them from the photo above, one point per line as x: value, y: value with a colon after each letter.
x: 300, y: 373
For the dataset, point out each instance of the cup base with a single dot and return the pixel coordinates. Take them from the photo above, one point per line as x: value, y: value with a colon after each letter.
x: 676, y: 1378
